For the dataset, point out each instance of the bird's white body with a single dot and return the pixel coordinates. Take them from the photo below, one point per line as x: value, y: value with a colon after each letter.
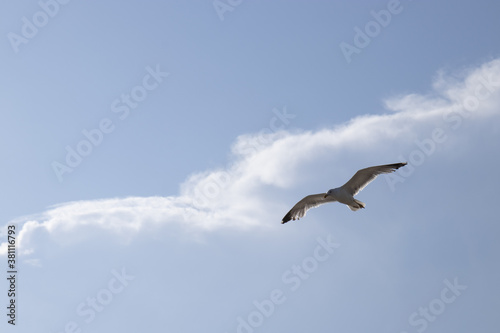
x: 343, y: 196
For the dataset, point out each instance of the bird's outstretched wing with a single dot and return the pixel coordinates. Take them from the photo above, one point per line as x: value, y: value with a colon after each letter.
x: 301, y: 207
x: 365, y: 176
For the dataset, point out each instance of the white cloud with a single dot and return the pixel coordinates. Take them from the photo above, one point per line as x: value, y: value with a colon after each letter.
x: 228, y: 197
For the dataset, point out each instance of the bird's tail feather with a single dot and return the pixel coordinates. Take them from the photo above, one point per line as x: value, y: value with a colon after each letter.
x: 356, y: 205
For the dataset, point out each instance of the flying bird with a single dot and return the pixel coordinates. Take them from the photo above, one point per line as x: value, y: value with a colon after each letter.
x: 344, y: 194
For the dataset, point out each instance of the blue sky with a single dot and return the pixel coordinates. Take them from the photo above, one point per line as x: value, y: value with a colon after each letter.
x: 152, y: 148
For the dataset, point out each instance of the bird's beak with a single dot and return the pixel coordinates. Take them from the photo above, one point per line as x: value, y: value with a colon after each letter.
x: 325, y: 196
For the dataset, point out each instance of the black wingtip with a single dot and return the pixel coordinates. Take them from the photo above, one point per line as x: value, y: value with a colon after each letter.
x: 287, y: 218
x: 398, y: 165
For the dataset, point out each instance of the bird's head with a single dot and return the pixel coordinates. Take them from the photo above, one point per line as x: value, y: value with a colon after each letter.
x: 328, y: 193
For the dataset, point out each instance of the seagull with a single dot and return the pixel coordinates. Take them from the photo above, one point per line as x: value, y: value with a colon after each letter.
x: 344, y: 194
